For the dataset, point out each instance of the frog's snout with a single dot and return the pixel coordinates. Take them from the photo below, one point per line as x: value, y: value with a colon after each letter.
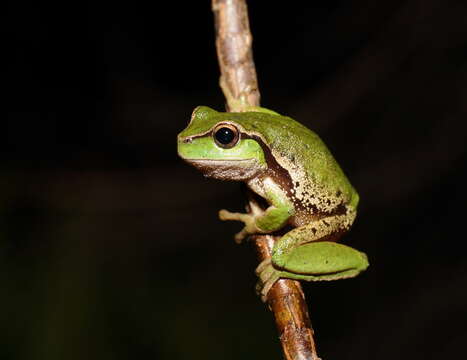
x: 183, y: 145
x: 184, y: 139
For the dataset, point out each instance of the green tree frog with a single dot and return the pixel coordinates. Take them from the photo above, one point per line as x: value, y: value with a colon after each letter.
x: 294, y: 187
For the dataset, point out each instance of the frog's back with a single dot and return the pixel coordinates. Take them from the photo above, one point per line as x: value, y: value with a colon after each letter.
x: 301, y: 152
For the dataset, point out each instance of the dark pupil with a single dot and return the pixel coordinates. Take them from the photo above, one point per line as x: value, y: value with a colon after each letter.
x: 225, y: 135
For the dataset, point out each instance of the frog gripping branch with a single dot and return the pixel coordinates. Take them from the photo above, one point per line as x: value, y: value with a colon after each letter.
x: 284, y: 165
x: 287, y: 165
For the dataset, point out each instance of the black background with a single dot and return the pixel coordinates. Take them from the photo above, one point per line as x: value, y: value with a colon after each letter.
x: 110, y: 246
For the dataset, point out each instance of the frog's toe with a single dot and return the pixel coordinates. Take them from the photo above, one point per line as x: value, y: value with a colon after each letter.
x: 269, y: 284
x: 262, y: 265
x: 258, y: 287
x: 266, y: 272
x: 263, y: 275
x: 267, y: 278
x: 255, y: 209
x: 227, y: 215
x: 240, y: 236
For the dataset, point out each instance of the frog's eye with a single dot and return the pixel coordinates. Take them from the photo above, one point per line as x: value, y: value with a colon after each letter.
x: 226, y: 135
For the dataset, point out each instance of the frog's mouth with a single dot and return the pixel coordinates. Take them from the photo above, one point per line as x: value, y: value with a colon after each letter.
x: 227, y: 169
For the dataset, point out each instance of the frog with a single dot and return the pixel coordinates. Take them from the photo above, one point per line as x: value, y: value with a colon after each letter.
x: 295, y: 188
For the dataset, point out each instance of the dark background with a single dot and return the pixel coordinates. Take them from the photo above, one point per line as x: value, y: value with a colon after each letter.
x: 110, y: 246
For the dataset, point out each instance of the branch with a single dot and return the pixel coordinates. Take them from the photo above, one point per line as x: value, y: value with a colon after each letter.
x: 239, y: 84
x: 233, y: 43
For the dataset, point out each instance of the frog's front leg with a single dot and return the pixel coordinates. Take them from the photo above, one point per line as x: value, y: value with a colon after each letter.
x: 297, y: 255
x: 259, y: 221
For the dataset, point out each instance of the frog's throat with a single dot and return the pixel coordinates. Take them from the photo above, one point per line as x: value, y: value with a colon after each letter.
x: 237, y: 170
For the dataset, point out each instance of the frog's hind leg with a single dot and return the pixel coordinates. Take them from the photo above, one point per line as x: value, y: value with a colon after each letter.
x: 325, y: 260
x: 317, y: 230
x: 302, y: 255
x: 303, y: 251
x: 316, y: 261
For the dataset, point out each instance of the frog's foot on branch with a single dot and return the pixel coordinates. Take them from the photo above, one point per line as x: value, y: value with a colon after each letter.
x: 248, y: 219
x: 268, y: 276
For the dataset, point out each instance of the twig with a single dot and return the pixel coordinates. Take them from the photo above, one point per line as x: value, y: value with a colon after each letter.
x: 238, y: 81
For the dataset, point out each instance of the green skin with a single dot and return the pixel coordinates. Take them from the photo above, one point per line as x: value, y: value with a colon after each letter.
x: 287, y: 165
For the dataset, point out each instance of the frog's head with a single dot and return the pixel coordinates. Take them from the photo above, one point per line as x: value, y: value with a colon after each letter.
x: 218, y: 145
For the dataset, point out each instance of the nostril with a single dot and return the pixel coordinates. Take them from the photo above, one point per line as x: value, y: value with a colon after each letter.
x: 187, y: 141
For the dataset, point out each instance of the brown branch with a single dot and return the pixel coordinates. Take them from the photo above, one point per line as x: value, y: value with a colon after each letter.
x: 239, y: 83
x: 233, y: 43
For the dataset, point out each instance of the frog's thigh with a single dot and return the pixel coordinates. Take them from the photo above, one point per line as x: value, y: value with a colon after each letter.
x: 325, y: 261
x: 308, y: 233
